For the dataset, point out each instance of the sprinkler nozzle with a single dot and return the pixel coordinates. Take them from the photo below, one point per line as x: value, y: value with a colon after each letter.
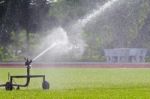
x: 28, y: 62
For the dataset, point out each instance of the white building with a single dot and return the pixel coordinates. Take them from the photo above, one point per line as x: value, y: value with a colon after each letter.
x: 125, y: 55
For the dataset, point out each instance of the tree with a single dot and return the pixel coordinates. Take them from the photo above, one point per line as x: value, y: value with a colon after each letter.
x: 18, y: 15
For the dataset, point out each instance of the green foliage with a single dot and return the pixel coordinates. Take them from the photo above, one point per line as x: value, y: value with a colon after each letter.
x: 147, y: 59
x: 2, y: 53
x: 126, y: 25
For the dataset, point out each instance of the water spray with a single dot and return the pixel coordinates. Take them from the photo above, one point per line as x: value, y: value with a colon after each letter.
x: 60, y: 35
x: 1, y: 2
x: 43, y: 52
x: 78, y: 26
x: 95, y: 13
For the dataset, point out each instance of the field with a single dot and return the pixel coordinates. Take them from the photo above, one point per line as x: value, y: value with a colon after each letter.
x: 82, y: 83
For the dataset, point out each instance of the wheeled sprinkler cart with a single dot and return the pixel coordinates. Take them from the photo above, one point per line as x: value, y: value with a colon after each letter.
x: 9, y: 85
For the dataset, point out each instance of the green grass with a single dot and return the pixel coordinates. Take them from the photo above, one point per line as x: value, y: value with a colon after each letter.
x: 82, y: 83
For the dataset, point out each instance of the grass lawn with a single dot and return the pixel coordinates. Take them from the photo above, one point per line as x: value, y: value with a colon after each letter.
x: 82, y: 83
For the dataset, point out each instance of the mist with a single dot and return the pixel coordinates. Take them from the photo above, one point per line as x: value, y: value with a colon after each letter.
x: 73, y: 30
x: 69, y: 41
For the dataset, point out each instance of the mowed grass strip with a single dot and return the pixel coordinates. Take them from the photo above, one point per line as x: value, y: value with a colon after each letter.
x: 82, y: 83
x: 100, y: 93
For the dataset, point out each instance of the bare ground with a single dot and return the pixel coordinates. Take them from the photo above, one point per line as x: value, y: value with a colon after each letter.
x: 78, y: 65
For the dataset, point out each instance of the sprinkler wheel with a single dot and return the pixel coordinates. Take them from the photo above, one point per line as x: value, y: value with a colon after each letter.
x: 45, y: 85
x: 9, y: 86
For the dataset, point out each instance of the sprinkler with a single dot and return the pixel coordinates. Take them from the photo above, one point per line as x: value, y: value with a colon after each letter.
x: 9, y: 85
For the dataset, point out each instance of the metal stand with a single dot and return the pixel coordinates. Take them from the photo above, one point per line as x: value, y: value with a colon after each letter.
x: 10, y: 86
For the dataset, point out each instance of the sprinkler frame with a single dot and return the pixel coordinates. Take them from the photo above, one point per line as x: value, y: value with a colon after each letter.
x: 10, y: 86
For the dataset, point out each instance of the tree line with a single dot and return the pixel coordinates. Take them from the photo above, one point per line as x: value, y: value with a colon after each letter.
x: 21, y: 23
